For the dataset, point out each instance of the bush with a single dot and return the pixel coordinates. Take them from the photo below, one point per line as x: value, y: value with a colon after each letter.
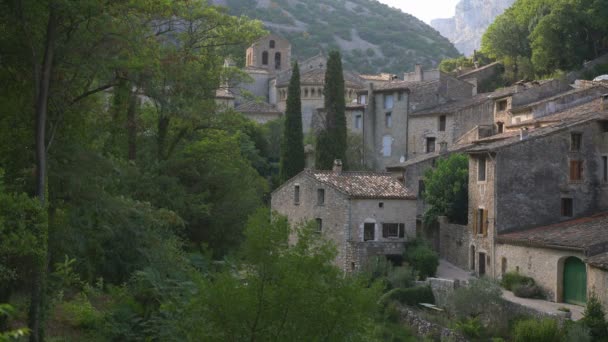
x: 527, y: 291
x: 470, y: 328
x: 511, y: 279
x: 482, y: 297
x: 401, y: 277
x: 410, y: 296
x: 80, y: 313
x: 533, y: 330
x: 577, y: 332
x: 423, y: 259
x: 595, y: 319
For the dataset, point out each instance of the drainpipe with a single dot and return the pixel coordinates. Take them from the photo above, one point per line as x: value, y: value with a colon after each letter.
x: 494, y: 219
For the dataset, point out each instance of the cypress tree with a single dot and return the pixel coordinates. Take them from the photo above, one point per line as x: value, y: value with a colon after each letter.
x: 292, y: 144
x: 331, y: 140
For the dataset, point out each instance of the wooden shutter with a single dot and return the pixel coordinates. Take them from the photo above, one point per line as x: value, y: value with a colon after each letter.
x: 485, y: 222
x: 401, y: 230
x: 384, y: 230
x: 474, y: 221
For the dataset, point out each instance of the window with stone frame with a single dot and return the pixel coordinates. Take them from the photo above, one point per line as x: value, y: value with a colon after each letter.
x: 430, y: 145
x: 265, y: 58
x: 567, y: 209
x: 358, y: 120
x: 320, y: 196
x: 393, y: 230
x: 442, y: 121
x: 480, y: 222
x: 369, y: 231
x: 319, y: 225
x: 481, y: 169
x: 576, y: 141
x: 576, y: 170
x: 501, y: 106
x: 388, y: 101
x: 296, y: 195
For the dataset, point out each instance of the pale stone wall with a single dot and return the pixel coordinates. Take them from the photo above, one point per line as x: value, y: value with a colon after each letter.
x: 466, y: 119
x: 453, y: 242
x: 413, y: 174
x: 544, y: 265
x: 255, y: 51
x: 259, y: 87
x: 597, y: 282
x: 427, y: 126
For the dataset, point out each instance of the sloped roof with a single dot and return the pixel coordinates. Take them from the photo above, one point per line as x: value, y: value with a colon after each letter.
x: 257, y: 107
x: 579, y: 234
x: 453, y: 106
x: 317, y: 77
x: 558, y: 96
x: 223, y: 93
x: 364, y: 185
x: 428, y: 156
x: 599, y: 261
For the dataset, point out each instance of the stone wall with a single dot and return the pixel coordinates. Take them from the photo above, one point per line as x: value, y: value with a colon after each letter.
x: 597, y: 282
x: 422, y: 127
x: 413, y: 174
x: 422, y: 327
x: 477, y: 115
x: 544, y: 90
x: 454, y: 242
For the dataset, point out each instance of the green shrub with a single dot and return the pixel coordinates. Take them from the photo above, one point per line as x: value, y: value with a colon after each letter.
x: 527, y: 291
x: 483, y: 297
x: 595, y: 319
x: 533, y: 330
x: 511, y: 279
x: 81, y: 313
x: 401, y: 277
x: 422, y: 258
x: 471, y: 327
x: 577, y: 332
x: 410, y: 296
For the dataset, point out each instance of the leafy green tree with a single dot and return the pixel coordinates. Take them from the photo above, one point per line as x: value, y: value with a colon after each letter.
x: 331, y: 140
x: 292, y: 151
x: 446, y: 189
x: 594, y: 318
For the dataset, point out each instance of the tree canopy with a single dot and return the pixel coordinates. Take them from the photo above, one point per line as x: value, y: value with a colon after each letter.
x: 292, y: 144
x: 446, y: 189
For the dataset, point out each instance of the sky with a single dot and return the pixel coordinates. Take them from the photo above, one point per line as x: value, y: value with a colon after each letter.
x: 425, y: 10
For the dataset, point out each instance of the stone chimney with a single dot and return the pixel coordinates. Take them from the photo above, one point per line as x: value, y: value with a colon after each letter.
x: 604, y: 102
x: 419, y: 72
x: 337, y: 166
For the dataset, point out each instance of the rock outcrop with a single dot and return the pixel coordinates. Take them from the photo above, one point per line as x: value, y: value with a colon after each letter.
x: 471, y: 20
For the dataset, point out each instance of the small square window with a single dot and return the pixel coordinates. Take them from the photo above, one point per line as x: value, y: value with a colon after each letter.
x: 575, y: 141
x: 381, y: 205
x: 430, y: 145
x: 320, y: 196
x: 389, y: 120
x: 567, y: 207
x: 442, y: 121
x: 481, y: 169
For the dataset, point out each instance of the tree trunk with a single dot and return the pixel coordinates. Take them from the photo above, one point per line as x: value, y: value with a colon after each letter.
x: 35, y: 321
x: 161, y: 140
x: 132, y: 126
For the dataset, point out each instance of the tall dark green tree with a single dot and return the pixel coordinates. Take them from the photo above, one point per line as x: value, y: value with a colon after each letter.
x: 292, y: 144
x: 331, y: 140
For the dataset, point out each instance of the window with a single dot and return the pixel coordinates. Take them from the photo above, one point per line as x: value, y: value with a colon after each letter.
x: 393, y: 230
x: 576, y: 170
x: 296, y: 194
x: 442, y: 123
x: 605, y: 169
x: 430, y: 145
x: 362, y: 99
x: 358, y: 120
x: 312, y: 92
x: 481, y: 169
x: 369, y: 231
x: 319, y: 225
x: 421, y: 188
x: 388, y: 101
x: 400, y: 96
x: 501, y: 105
x: 381, y: 205
x: 567, y: 207
x: 388, y: 120
x: 387, y: 144
x: 320, y: 196
x: 306, y: 92
x: 575, y: 141
x: 480, y: 222
x: 265, y: 58
x: 277, y: 60
x: 272, y: 44
x: 499, y: 127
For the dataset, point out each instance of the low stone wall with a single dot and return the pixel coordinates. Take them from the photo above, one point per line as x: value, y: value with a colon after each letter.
x: 423, y: 327
x: 453, y: 243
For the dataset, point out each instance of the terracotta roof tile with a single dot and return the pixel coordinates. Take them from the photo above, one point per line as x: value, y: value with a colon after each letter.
x: 582, y: 234
x: 365, y: 184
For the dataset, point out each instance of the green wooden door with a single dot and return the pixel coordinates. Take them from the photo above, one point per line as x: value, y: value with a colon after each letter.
x: 575, y: 281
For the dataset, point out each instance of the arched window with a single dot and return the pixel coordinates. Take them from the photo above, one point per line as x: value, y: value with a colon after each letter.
x: 265, y: 58
x: 277, y: 60
x: 272, y: 44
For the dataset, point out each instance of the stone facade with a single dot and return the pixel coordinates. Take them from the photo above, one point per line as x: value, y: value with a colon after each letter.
x: 343, y: 218
x: 272, y: 53
x: 454, y: 240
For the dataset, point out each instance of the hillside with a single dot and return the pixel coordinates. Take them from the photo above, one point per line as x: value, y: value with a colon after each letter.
x: 471, y: 20
x: 371, y: 36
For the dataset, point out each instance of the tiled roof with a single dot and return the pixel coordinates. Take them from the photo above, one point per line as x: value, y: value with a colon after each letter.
x: 553, y: 98
x: 599, y: 261
x: 379, y: 77
x: 317, y: 77
x: 572, y: 114
x: 364, y: 184
x: 257, y: 107
x: 474, y: 71
x: 578, y: 234
x: 428, y: 156
x: 454, y: 106
x: 223, y: 93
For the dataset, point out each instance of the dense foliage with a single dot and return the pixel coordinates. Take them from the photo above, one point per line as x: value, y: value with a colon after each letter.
x: 539, y: 37
x: 390, y: 40
x: 446, y: 189
x: 292, y: 145
x: 332, y: 138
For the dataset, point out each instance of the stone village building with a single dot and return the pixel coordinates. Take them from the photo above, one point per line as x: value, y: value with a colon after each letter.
x: 364, y: 214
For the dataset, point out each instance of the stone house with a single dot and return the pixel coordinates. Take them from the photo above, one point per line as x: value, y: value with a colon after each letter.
x: 364, y: 214
x: 258, y: 111
x: 533, y: 197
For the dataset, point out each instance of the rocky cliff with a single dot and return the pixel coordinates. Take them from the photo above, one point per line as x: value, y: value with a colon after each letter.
x: 471, y: 20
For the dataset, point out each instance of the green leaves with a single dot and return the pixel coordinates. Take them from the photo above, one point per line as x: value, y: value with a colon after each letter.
x: 446, y: 189
x: 292, y: 144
